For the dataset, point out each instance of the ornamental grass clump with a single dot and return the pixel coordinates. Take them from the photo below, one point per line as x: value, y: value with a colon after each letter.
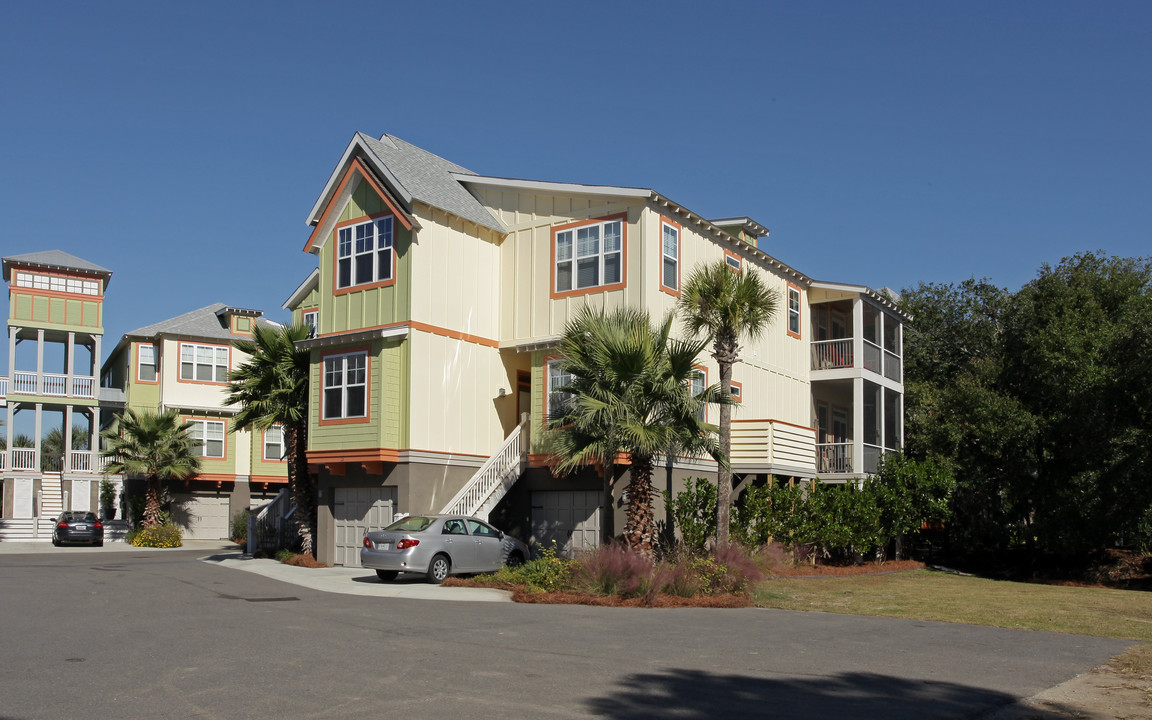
x: 616, y: 570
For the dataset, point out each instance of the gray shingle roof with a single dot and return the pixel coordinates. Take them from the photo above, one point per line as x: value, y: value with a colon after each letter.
x: 57, y: 259
x: 202, y: 323
x: 426, y: 177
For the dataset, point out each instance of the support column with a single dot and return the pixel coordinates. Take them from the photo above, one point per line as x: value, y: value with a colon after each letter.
x: 39, y: 371
x: 70, y: 363
x: 858, y: 333
x: 11, y: 356
x: 858, y: 425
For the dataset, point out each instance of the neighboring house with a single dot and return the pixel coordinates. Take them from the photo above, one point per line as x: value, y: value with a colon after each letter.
x: 183, y: 364
x: 439, y: 298
x: 55, y: 329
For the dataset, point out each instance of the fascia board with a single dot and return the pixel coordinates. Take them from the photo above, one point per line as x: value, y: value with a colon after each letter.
x: 310, y: 282
x: 556, y: 188
x: 342, y: 167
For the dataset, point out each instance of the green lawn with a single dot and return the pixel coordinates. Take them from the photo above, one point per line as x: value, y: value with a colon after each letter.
x: 931, y: 595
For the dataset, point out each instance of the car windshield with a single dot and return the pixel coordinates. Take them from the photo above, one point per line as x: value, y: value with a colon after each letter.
x: 412, y: 523
x: 78, y: 517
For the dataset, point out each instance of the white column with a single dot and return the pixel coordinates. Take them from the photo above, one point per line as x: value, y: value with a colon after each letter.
x: 11, y: 355
x: 70, y: 361
x: 858, y: 333
x: 96, y: 362
x: 39, y: 370
x: 858, y: 425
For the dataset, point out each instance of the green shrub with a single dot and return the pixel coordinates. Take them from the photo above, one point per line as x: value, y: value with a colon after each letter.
x: 694, y: 510
x: 240, y: 527
x: 284, y: 555
x: 545, y: 573
x: 160, y: 536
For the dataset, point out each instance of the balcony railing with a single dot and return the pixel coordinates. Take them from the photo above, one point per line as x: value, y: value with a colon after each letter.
x: 3, y: 386
x: 873, y: 358
x: 50, y: 384
x: 22, y: 458
x: 834, y: 457
x: 832, y: 354
x: 760, y: 442
x: 83, y: 461
x: 893, y: 369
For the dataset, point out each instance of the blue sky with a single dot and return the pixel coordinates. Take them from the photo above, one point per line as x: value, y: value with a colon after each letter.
x: 182, y: 145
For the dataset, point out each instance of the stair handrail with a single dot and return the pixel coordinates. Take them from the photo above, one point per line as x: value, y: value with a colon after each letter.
x: 491, y: 474
x: 267, y: 522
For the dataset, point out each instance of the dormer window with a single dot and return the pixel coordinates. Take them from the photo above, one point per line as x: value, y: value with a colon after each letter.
x: 364, y: 253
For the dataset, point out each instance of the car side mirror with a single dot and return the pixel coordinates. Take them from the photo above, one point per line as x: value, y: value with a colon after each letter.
x: 500, y: 534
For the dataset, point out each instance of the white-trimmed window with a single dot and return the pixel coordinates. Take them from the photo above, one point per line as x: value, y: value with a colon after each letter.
x: 699, y: 383
x: 311, y: 318
x: 203, y: 363
x: 207, y: 438
x: 146, y: 363
x: 734, y: 262
x: 590, y: 256
x: 794, y: 311
x: 274, y: 443
x: 364, y: 253
x: 57, y: 284
x: 346, y: 386
x: 557, y: 378
x: 736, y: 390
x: 670, y: 250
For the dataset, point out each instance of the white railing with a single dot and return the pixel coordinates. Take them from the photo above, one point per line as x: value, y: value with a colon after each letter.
x: 3, y: 460
x: 498, y: 472
x: 23, y: 458
x: 832, y: 354
x: 834, y: 457
x: 82, y: 386
x: 85, y: 461
x: 269, y: 525
x: 24, y: 383
x: 53, y: 384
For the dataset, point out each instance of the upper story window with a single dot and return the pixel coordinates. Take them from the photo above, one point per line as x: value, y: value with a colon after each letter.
x: 556, y: 402
x: 670, y: 254
x: 736, y: 390
x: 734, y: 261
x: 588, y: 255
x: 311, y: 319
x: 57, y: 284
x: 699, y: 383
x: 146, y: 363
x: 364, y: 253
x: 345, y: 386
x: 793, y: 310
x: 274, y: 443
x: 207, y: 438
x: 203, y: 363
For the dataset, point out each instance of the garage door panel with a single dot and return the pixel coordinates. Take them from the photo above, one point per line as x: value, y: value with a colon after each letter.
x: 569, y: 518
x: 201, y: 517
x: 357, y: 511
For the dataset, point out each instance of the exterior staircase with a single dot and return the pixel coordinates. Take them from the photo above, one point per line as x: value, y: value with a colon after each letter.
x: 494, y: 478
x: 51, y: 497
x: 26, y: 530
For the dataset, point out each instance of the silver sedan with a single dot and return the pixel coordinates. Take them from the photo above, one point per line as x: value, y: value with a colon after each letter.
x: 439, y: 546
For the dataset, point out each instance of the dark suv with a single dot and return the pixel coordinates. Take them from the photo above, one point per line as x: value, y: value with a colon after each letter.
x: 78, y: 527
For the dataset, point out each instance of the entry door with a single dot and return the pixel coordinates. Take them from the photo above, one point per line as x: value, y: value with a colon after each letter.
x: 356, y: 511
x: 523, y: 394
x: 571, y: 518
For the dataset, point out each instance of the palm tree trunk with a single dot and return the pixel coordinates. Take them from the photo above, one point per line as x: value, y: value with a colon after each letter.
x: 152, y: 502
x: 303, y: 488
x: 723, y: 474
x: 640, y: 531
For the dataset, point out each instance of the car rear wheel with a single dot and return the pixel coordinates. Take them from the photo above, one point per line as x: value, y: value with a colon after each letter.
x: 439, y: 569
x: 99, y: 543
x: 515, y: 560
x: 56, y: 541
x: 386, y: 575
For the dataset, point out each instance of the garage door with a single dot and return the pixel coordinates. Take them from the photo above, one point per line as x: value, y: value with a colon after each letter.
x: 201, y: 517
x: 570, y: 518
x: 357, y: 511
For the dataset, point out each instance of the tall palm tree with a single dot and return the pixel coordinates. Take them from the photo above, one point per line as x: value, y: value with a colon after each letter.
x: 726, y: 306
x: 271, y: 388
x: 630, y: 394
x: 155, y: 445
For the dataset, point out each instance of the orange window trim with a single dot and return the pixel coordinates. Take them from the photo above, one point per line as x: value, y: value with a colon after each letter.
x: 136, y: 363
x: 357, y: 166
x: 211, y: 419
x: 336, y: 257
x: 738, y: 396
x: 623, y: 217
x: 799, y: 311
x: 674, y: 292
x: 180, y: 360
x: 739, y: 260
x: 264, y: 446
x: 367, y: 386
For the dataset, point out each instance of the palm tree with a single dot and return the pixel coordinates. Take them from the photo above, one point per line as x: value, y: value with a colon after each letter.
x: 725, y: 306
x: 630, y: 394
x: 271, y: 388
x: 155, y: 445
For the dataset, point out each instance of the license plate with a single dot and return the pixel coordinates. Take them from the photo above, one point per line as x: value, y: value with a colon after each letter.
x: 385, y: 546
x: 79, y: 527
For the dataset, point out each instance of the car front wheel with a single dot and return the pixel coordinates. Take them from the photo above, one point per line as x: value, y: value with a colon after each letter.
x: 438, y: 569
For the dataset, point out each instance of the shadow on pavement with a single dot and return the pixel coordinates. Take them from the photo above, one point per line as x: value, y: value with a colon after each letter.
x: 695, y: 694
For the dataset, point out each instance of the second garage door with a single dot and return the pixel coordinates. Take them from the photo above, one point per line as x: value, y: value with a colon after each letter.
x: 570, y: 518
x: 202, y: 517
x: 356, y: 511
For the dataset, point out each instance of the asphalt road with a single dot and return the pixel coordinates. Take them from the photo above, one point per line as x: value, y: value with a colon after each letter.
x: 164, y: 635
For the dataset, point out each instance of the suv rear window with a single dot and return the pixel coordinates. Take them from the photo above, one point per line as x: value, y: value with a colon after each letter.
x: 412, y: 523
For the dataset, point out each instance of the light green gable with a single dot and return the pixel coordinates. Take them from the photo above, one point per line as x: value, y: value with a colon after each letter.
x: 56, y: 313
x: 308, y: 303
x: 388, y: 402
x: 260, y: 466
x: 371, y: 307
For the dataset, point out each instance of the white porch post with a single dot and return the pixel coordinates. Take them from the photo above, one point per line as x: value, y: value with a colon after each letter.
x: 70, y: 363
x: 39, y: 370
x: 858, y: 425
x: 858, y: 333
x: 66, y: 461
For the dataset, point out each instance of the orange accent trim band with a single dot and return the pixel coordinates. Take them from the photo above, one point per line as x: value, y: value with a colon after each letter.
x: 778, y: 422
x: 623, y: 217
x: 213, y: 477
x: 337, y: 469
x: 425, y: 327
x: 277, y: 479
x: 362, y: 455
x: 385, y: 196
x: 39, y: 292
